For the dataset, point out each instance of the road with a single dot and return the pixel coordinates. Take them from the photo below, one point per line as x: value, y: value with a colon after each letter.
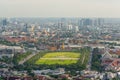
x: 90, y: 61
x: 83, y: 59
x: 60, y: 58
x: 24, y: 60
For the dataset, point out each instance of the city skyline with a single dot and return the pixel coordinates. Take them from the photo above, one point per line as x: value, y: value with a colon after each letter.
x: 60, y: 8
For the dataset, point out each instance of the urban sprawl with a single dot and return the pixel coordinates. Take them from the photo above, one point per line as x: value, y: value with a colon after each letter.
x: 59, y: 49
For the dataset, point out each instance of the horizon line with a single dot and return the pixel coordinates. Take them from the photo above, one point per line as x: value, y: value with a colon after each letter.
x: 56, y: 17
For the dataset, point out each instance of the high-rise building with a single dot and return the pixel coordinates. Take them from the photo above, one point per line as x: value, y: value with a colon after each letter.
x: 69, y: 27
x: 76, y: 28
x: 62, y: 23
x: 85, y: 22
x: 25, y: 27
x: 4, y: 22
x: 98, y: 22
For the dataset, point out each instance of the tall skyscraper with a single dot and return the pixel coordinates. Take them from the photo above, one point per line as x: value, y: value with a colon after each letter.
x: 85, y: 22
x: 98, y: 22
x: 4, y: 22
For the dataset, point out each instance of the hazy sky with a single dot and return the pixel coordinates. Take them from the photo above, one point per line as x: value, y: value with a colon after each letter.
x: 60, y: 8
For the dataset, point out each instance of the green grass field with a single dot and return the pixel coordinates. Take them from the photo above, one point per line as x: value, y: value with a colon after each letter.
x: 61, y: 58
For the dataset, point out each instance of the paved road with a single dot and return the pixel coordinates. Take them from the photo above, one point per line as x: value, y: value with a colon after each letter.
x: 24, y: 60
x: 83, y: 59
x: 90, y: 61
x: 60, y: 58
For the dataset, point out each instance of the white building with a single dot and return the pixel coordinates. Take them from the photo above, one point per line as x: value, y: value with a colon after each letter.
x: 76, y: 28
x: 7, y: 33
x: 69, y: 27
x: 9, y: 51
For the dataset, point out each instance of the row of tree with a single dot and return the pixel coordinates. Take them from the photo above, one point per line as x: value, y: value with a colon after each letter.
x: 72, y: 68
x: 96, y: 60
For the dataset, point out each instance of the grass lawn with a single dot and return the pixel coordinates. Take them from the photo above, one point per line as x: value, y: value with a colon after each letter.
x: 61, y: 58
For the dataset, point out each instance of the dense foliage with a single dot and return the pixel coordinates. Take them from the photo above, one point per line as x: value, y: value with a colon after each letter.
x: 5, y: 42
x: 96, y: 62
x: 20, y: 56
x: 80, y: 65
x: 72, y: 68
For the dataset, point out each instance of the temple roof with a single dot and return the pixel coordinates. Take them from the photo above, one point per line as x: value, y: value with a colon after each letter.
x: 106, y: 55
